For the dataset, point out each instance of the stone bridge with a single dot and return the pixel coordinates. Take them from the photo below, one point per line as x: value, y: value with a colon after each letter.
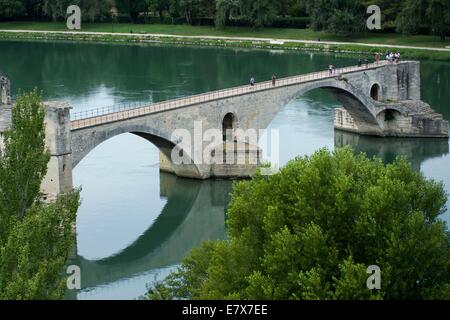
x: 377, y: 99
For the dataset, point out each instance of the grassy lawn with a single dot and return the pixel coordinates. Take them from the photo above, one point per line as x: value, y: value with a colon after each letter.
x: 187, y: 30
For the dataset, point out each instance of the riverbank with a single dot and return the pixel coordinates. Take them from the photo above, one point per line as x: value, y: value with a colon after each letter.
x: 256, y: 41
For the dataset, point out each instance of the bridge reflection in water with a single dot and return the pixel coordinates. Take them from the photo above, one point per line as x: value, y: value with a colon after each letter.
x: 417, y: 150
x: 194, y: 212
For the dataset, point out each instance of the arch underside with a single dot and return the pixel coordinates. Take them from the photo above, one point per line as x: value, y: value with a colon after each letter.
x: 84, y: 143
x: 359, y: 105
x: 353, y: 105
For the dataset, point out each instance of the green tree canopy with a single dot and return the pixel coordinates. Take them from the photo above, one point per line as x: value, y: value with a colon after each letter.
x: 35, y: 237
x: 311, y: 230
x: 11, y: 8
x: 337, y: 16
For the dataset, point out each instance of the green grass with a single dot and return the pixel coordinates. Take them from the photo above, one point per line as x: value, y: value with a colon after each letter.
x: 187, y: 30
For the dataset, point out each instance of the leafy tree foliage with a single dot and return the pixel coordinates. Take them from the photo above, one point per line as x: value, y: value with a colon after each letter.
x: 159, y: 6
x: 225, y: 9
x: 90, y: 9
x: 439, y: 15
x: 34, y: 254
x: 337, y: 16
x: 35, y: 238
x: 23, y: 164
x: 11, y: 8
x: 132, y: 7
x: 311, y: 231
x: 411, y: 16
x: 258, y: 12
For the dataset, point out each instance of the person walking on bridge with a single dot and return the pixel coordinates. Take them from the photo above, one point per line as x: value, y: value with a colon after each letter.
x: 252, y: 81
x: 274, y: 79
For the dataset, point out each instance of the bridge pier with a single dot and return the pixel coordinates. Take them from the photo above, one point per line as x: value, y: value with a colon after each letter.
x: 406, y: 118
x: 236, y: 160
x: 58, y: 142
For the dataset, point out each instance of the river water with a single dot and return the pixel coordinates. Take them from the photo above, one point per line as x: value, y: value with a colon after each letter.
x: 136, y: 224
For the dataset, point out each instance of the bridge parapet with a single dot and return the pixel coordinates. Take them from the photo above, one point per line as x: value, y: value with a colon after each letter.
x: 103, y: 115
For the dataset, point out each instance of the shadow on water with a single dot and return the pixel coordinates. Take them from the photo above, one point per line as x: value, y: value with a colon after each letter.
x: 194, y: 212
x: 417, y: 150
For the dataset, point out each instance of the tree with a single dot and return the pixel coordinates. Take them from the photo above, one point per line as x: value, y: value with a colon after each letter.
x: 258, y: 12
x: 11, y: 8
x: 439, y: 14
x: 34, y: 255
x: 56, y: 9
x: 35, y: 237
x: 311, y: 230
x: 132, y: 7
x: 194, y: 9
x: 24, y: 161
x: 390, y: 9
x: 90, y: 9
x: 159, y: 6
x: 337, y: 16
x: 224, y: 10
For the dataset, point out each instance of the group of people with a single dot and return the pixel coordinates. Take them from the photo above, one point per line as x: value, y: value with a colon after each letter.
x: 390, y: 56
x: 393, y: 57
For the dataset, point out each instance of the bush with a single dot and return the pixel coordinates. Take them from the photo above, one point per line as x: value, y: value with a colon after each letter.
x: 311, y: 231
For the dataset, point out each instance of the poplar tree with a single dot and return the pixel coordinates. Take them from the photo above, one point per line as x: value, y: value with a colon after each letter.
x: 35, y: 237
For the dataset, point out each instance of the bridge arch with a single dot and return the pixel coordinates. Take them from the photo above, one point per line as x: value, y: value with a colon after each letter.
x: 354, y: 100
x: 85, y: 140
x: 376, y: 92
x: 229, y: 122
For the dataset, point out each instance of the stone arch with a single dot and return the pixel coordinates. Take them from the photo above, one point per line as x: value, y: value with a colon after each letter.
x: 358, y: 105
x: 375, y: 92
x: 389, y: 115
x: 86, y: 140
x: 355, y: 101
x: 229, y: 122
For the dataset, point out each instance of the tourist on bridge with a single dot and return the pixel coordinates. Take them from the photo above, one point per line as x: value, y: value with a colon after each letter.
x: 252, y: 81
x: 274, y: 79
x: 330, y: 69
x: 377, y: 57
x: 390, y: 57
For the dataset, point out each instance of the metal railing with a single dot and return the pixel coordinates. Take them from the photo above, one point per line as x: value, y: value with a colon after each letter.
x: 93, y: 117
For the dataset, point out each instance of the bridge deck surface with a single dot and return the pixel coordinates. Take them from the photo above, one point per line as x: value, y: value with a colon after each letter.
x: 100, y: 116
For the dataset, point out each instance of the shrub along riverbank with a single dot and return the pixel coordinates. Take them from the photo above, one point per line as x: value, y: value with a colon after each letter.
x: 365, y: 51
